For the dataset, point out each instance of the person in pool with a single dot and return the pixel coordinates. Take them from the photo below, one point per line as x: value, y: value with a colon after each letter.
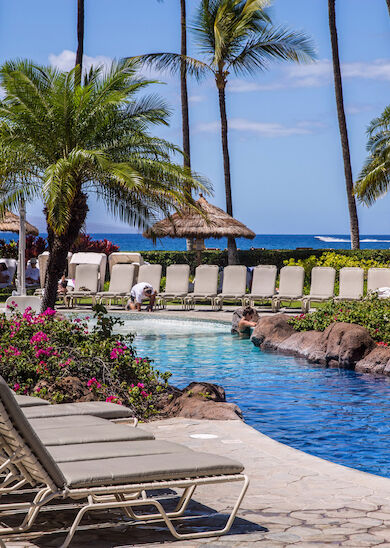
x: 247, y: 321
x: 139, y: 293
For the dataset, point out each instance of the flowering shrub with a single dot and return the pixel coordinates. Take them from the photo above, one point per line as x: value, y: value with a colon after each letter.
x: 372, y: 313
x: 85, y: 243
x: 35, y: 245
x: 38, y: 351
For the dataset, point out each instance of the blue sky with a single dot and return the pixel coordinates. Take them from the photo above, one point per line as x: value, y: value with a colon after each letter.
x: 287, y: 171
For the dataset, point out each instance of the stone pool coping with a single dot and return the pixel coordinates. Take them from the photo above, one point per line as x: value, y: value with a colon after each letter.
x: 294, y: 499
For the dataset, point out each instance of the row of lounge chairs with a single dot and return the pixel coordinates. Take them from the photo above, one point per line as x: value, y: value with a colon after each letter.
x: 85, y: 462
x: 291, y: 282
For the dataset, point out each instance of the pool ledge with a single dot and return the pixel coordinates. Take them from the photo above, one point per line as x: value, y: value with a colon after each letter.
x: 300, y: 500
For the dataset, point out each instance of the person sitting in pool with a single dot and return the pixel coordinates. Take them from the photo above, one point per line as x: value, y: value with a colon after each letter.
x: 247, y: 320
x: 139, y: 293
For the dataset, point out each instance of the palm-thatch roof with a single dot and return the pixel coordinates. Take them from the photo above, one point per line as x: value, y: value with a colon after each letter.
x: 189, y: 223
x: 10, y: 223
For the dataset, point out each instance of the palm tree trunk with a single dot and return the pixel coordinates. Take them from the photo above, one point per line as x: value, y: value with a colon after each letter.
x: 388, y: 5
x: 221, y: 84
x: 59, y: 246
x: 80, y: 35
x: 353, y: 218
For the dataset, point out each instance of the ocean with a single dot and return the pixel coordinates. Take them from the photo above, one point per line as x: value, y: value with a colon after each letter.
x: 136, y: 242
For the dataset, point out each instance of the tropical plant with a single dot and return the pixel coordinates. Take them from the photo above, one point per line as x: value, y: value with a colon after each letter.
x: 85, y: 242
x: 374, y: 178
x: 60, y: 141
x: 338, y: 86
x: 234, y: 36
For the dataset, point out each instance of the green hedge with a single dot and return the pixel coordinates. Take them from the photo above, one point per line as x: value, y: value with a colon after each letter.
x: 253, y: 257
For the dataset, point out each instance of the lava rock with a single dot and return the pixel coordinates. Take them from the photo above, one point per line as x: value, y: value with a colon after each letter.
x: 270, y: 331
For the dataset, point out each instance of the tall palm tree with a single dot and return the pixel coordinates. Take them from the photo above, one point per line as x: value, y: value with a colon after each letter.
x: 60, y: 142
x: 388, y: 5
x: 80, y: 34
x: 338, y: 86
x: 374, y: 178
x: 234, y: 36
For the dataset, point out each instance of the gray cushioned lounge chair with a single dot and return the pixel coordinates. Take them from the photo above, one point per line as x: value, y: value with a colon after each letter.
x: 351, y: 284
x: 30, y: 401
x: 85, y: 285
x: 205, y: 285
x: 99, y: 484
x: 121, y: 282
x: 176, y: 288
x: 322, y: 286
x: 290, y: 286
x: 263, y: 284
x: 233, y: 285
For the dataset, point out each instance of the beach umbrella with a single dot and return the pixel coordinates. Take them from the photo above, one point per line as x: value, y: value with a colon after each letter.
x: 12, y: 223
x: 190, y: 223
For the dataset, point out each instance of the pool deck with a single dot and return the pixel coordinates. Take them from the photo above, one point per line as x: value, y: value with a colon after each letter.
x: 294, y: 499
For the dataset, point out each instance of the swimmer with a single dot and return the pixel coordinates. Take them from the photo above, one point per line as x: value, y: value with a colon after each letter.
x: 247, y: 320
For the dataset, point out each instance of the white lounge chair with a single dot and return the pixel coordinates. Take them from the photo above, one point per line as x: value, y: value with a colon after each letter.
x: 205, y: 285
x: 176, y: 287
x: 121, y: 282
x: 20, y: 303
x: 151, y: 274
x: 322, y: 286
x: 378, y: 278
x: 91, y: 258
x: 290, y: 286
x: 86, y: 284
x: 233, y: 285
x: 263, y: 284
x: 125, y: 482
x: 351, y: 284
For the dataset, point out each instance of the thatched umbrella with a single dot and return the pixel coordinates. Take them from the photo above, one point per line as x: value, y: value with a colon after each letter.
x: 189, y: 223
x: 12, y: 223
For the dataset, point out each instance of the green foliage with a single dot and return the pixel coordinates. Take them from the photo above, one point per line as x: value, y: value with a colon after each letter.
x: 38, y: 351
x: 372, y: 313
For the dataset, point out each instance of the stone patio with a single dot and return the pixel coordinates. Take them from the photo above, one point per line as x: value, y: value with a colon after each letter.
x: 294, y: 499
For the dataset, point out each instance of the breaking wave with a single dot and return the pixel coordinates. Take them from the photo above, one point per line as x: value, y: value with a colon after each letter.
x: 330, y: 239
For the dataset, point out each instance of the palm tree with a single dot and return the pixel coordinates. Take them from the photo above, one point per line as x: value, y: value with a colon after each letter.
x: 60, y: 142
x: 374, y: 178
x: 80, y: 34
x: 338, y: 86
x: 234, y: 36
x: 388, y: 5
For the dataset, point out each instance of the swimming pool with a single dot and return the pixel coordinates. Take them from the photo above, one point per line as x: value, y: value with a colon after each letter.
x: 338, y: 415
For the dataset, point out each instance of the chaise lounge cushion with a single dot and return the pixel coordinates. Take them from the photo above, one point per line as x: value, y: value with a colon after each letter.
x: 93, y: 451
x: 137, y: 469
x: 92, y: 434
x: 30, y: 401
x: 101, y: 409
x: 67, y: 422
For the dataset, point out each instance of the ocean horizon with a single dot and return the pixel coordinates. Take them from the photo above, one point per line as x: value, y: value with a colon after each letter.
x: 136, y: 242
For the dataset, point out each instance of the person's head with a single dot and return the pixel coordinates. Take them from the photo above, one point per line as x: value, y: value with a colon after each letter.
x: 148, y: 291
x: 248, y: 313
x: 33, y: 262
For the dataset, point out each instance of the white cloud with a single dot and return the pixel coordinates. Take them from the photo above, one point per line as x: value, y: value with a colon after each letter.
x: 317, y: 74
x: 195, y: 98
x: 357, y: 109
x: 66, y: 60
x: 266, y: 129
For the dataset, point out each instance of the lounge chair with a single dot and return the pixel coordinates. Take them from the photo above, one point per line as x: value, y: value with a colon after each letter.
x: 205, y: 285
x: 30, y: 401
x: 151, y: 274
x: 121, y: 282
x: 21, y: 302
x: 351, y: 284
x: 322, y: 286
x: 233, y: 285
x: 105, y: 410
x: 86, y: 284
x: 122, y: 482
x: 263, y: 284
x: 11, y: 267
x: 176, y: 287
x: 290, y: 286
x: 378, y: 278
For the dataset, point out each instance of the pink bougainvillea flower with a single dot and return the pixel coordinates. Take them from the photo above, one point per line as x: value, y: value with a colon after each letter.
x: 16, y: 386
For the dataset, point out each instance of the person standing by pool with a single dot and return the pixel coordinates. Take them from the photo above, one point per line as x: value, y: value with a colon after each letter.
x: 247, y: 321
x: 139, y: 293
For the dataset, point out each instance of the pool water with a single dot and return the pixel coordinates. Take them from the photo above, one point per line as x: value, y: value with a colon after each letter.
x: 338, y: 415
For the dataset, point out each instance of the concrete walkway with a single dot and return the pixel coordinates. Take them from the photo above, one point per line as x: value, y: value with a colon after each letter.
x: 294, y: 499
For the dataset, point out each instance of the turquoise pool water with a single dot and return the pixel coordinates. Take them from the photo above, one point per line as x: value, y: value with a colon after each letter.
x: 338, y: 415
